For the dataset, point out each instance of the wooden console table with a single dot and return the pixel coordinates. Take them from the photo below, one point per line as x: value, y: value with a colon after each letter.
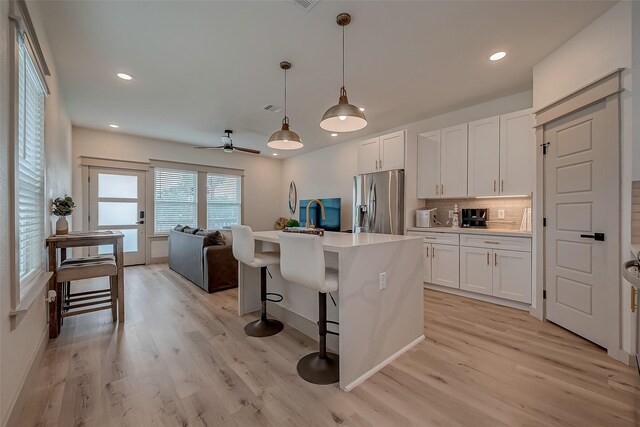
x: 74, y: 240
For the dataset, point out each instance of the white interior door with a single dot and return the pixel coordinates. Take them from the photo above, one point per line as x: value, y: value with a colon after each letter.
x: 484, y: 157
x: 117, y: 202
x: 581, y: 189
x: 428, y: 165
x: 445, y: 265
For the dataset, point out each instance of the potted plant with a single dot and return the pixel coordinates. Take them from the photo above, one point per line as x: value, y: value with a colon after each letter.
x: 62, y: 207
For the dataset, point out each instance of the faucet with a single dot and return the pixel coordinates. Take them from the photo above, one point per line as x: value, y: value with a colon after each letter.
x: 308, y: 224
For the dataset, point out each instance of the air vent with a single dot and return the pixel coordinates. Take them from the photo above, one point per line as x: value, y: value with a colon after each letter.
x: 307, y: 4
x: 273, y: 108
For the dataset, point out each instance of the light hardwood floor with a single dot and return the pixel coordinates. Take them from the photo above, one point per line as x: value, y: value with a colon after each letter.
x: 182, y: 359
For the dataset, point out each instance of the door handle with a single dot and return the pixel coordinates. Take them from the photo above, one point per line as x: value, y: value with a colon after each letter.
x: 140, y: 222
x: 595, y: 236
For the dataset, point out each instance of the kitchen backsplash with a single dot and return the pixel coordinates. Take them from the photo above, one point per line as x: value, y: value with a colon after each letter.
x: 635, y: 213
x: 513, y: 209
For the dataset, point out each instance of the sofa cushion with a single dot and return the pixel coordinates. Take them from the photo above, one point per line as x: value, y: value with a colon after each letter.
x: 180, y: 227
x: 213, y: 237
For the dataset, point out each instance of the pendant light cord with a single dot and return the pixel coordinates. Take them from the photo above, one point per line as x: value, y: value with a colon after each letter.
x: 343, y: 56
x: 285, y: 93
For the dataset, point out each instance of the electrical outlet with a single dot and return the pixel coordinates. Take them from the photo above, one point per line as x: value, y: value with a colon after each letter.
x: 450, y: 214
x: 383, y: 280
x: 500, y: 213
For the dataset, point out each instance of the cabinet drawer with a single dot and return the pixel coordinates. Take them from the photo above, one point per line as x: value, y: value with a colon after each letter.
x: 441, y: 238
x: 496, y: 242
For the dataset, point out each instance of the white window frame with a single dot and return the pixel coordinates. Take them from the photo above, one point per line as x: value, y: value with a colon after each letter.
x: 26, y: 291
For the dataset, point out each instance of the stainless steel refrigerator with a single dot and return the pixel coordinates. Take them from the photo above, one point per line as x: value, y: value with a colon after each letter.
x: 379, y: 202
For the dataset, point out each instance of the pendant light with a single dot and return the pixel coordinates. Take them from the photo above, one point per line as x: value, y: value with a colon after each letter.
x: 285, y: 139
x: 343, y: 117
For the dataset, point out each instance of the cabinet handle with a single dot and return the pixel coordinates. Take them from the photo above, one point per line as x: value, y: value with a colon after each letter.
x: 433, y: 253
x: 502, y: 186
x: 441, y: 189
x: 494, y: 185
x: 634, y: 304
x: 376, y: 165
x: 495, y: 259
x: 490, y: 242
x: 436, y: 189
x: 380, y: 163
x: 488, y: 256
x: 427, y: 251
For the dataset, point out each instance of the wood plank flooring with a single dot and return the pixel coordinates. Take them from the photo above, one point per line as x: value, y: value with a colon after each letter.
x: 182, y: 359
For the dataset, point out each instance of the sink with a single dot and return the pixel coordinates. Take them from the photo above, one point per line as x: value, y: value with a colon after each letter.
x: 631, y: 272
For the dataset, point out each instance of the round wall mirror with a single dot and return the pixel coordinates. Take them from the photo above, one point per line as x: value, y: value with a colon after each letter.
x: 293, y: 198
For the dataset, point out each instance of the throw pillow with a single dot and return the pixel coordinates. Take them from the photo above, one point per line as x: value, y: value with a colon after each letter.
x: 179, y: 227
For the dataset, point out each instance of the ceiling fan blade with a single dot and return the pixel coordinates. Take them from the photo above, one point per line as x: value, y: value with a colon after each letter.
x: 208, y: 148
x: 247, y: 150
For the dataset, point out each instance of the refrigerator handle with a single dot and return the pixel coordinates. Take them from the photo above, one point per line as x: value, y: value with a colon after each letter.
x: 372, y: 207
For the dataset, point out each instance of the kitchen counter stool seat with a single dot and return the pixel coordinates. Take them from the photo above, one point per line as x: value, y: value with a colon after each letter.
x: 244, y: 252
x: 302, y: 262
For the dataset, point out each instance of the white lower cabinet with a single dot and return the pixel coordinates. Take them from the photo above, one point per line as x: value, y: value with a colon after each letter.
x: 476, y: 270
x: 426, y: 262
x: 445, y: 265
x: 512, y: 275
x: 503, y: 274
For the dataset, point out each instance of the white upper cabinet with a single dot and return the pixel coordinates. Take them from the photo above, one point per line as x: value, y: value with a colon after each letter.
x: 381, y: 153
x: 428, y: 165
x: 517, y: 153
x: 392, y: 151
x: 368, y: 155
x: 484, y: 157
x: 453, y: 162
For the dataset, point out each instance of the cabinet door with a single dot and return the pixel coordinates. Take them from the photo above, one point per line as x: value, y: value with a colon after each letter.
x: 445, y: 265
x: 368, y: 155
x: 517, y: 153
x: 453, y: 162
x: 428, y: 165
x: 426, y: 260
x: 476, y: 270
x: 392, y: 151
x: 484, y: 157
x: 512, y: 275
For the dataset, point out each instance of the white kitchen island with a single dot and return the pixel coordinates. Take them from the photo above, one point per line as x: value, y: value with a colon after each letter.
x: 377, y: 323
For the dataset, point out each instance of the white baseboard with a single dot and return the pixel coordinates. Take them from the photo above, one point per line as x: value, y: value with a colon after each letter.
x: 27, y: 383
x: 479, y: 297
x: 382, y: 364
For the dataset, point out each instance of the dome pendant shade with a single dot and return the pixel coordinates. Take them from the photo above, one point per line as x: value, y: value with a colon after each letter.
x: 285, y: 139
x: 343, y: 117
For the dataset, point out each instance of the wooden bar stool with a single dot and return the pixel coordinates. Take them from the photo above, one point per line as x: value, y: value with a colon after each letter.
x: 89, y: 301
x: 244, y: 247
x: 302, y: 262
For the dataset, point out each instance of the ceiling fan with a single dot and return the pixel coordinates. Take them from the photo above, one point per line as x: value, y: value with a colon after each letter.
x: 227, y: 145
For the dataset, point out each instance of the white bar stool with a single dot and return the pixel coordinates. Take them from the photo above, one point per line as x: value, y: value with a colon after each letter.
x: 244, y: 247
x: 302, y: 262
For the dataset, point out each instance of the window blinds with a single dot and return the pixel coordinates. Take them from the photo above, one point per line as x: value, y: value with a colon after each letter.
x: 30, y: 166
x: 224, y: 200
x: 175, y: 199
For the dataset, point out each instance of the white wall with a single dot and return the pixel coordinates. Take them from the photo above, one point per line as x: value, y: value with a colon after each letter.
x: 329, y: 172
x: 635, y: 53
x: 601, y: 47
x: 18, y: 347
x: 262, y: 179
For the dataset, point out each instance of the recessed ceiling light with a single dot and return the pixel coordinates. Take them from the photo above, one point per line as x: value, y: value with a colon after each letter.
x: 334, y: 134
x: 361, y: 108
x: 113, y: 125
x: 498, y: 56
x: 124, y: 76
x: 274, y: 154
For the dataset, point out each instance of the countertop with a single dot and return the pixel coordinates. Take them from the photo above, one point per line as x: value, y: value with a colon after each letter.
x: 333, y: 241
x: 483, y: 231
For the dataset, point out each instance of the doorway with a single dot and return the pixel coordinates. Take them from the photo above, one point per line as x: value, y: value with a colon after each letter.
x: 117, y: 202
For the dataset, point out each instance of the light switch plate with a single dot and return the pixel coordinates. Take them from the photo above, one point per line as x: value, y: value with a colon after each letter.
x: 500, y: 213
x: 383, y: 280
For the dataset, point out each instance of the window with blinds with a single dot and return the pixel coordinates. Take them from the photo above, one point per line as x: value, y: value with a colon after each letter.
x: 175, y: 199
x: 30, y: 167
x: 224, y: 198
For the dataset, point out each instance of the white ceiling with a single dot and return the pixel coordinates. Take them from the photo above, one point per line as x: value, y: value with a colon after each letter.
x: 202, y: 67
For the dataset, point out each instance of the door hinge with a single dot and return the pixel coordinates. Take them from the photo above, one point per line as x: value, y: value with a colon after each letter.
x: 545, y: 147
x: 544, y: 222
x: 544, y: 294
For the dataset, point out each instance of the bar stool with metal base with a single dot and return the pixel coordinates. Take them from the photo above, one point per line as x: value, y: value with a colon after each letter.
x: 302, y: 262
x: 244, y: 251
